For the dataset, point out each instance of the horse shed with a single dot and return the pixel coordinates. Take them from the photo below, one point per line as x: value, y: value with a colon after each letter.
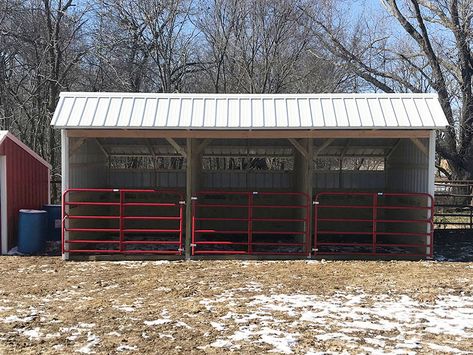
x: 279, y: 176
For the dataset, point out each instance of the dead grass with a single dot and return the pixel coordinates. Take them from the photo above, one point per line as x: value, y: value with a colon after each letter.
x: 50, y: 306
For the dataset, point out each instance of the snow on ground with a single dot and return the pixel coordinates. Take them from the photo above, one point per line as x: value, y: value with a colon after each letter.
x: 392, y: 324
x: 315, y: 307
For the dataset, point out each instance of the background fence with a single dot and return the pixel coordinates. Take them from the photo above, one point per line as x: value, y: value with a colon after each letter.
x: 454, y: 204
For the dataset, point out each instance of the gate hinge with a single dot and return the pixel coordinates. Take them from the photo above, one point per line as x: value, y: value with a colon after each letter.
x: 380, y: 193
x: 315, y: 249
x: 181, y: 249
x: 116, y: 190
x: 255, y: 192
x: 182, y: 202
x: 193, y: 245
x: 193, y: 198
x: 315, y: 202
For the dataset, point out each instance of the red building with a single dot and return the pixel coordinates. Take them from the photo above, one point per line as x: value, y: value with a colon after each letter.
x: 24, y: 183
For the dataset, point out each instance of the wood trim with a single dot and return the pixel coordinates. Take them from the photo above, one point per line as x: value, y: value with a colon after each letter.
x: 421, y: 146
x: 177, y: 147
x: 65, y: 156
x: 322, y: 147
x: 3, y: 205
x: 226, y: 134
x: 299, y: 147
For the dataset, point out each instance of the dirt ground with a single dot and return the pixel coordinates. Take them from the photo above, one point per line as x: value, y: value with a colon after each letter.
x: 208, y: 307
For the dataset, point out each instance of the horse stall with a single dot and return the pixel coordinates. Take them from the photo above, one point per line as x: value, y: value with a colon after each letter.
x: 252, y: 176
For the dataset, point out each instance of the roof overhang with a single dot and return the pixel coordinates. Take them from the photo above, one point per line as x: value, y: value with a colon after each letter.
x: 244, y: 112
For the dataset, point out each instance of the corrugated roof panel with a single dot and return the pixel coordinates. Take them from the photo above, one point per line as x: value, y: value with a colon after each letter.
x: 412, y: 112
x: 64, y: 111
x: 222, y: 113
x: 422, y: 107
x: 304, y: 113
x: 293, y: 113
x: 101, y: 112
x: 174, y: 111
x: 436, y: 111
x: 77, y: 111
x: 125, y: 112
x: 89, y: 111
x: 138, y: 111
x: 329, y: 113
x: 209, y: 113
x: 113, y: 111
x: 186, y: 112
x: 233, y: 113
x: 245, y: 111
x: 388, y: 113
x: 269, y: 113
x: 376, y: 113
x: 352, y: 112
x: 281, y: 113
x: 149, y: 113
x: 341, y: 112
x: 365, y: 113
x: 317, y: 113
x: 401, y: 113
x: 198, y: 113
x: 162, y: 114
x: 258, y: 113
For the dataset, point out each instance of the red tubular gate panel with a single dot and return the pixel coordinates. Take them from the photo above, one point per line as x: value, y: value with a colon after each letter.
x: 366, y: 223
x: 250, y: 223
x: 122, y: 221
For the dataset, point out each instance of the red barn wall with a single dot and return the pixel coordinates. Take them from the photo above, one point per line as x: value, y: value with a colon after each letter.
x: 27, y: 184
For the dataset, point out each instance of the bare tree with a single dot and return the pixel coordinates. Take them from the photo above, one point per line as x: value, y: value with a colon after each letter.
x: 258, y: 46
x: 432, y: 54
x: 41, y: 47
x: 156, y: 39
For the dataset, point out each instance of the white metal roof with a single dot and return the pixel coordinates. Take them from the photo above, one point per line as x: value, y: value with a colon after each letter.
x: 245, y: 111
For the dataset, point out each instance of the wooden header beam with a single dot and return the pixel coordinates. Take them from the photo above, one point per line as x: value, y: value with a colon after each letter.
x: 257, y: 134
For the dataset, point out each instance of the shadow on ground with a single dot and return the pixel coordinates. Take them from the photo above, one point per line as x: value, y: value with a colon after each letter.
x: 453, y: 245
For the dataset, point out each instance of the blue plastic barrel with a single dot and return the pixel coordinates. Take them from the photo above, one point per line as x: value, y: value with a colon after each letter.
x: 32, y: 225
x: 53, y: 231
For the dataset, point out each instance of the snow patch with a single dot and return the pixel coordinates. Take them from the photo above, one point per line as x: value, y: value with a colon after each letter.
x: 157, y: 322
x: 92, y: 340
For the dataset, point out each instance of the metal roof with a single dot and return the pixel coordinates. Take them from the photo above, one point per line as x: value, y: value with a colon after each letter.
x: 248, y: 111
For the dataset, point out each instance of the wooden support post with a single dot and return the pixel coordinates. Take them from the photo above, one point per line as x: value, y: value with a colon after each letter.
x: 189, y: 193
x: 431, y: 179
x: 309, y: 188
x: 65, y: 174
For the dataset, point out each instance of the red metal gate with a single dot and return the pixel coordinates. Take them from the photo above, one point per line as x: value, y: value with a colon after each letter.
x: 250, y: 223
x: 366, y: 223
x: 124, y: 221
